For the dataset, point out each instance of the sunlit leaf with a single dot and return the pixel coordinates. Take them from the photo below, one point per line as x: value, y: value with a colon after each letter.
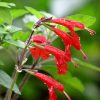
x: 2, y: 31
x: 5, y: 16
x: 18, y: 13
x: 34, y: 12
x: 7, y: 5
x: 6, y: 81
x: 12, y: 29
x: 21, y: 36
x: 17, y: 43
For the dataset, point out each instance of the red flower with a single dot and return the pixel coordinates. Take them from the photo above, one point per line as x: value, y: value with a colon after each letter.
x: 39, y: 39
x: 52, y: 94
x: 63, y: 35
x: 60, y: 58
x: 70, y: 24
x: 69, y: 40
x: 51, y: 83
x: 39, y: 52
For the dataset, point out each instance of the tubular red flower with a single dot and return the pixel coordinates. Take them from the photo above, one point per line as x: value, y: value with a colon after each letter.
x: 57, y: 52
x: 68, y: 40
x: 38, y: 52
x: 63, y: 35
x: 39, y: 39
x: 70, y: 24
x: 50, y: 82
x: 60, y: 58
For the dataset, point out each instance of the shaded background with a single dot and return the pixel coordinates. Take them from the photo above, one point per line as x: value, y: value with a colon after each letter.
x: 35, y: 89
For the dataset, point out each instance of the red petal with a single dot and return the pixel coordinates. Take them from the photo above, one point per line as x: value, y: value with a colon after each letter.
x: 62, y: 68
x: 61, y: 58
x: 38, y: 52
x: 49, y: 81
x: 76, y: 43
x: 68, y: 23
x: 67, y: 53
x: 39, y: 39
x: 63, y: 35
x: 53, y: 50
x: 52, y: 94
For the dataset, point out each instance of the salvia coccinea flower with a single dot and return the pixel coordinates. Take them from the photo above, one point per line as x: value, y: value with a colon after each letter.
x: 69, y: 40
x: 70, y: 24
x: 60, y: 58
x: 39, y: 52
x: 40, y: 39
x: 51, y: 84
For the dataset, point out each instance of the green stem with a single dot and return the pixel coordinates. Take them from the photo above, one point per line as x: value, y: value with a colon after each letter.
x: 24, y: 80
x: 20, y: 61
x: 12, y: 85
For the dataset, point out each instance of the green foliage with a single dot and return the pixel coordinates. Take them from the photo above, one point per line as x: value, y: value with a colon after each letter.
x: 34, y: 12
x: 15, y: 36
x: 17, y: 43
x: 5, y: 80
x: 18, y: 13
x: 5, y: 16
x: 84, y: 64
x: 7, y: 5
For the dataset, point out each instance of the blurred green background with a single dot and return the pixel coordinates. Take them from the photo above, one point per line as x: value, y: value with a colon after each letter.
x: 35, y: 89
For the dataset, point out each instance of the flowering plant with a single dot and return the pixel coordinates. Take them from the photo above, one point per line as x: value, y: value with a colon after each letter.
x: 40, y: 46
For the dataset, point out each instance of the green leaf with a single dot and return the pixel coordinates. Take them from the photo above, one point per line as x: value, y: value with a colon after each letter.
x: 34, y: 12
x: 21, y: 36
x: 85, y: 19
x: 9, y: 29
x: 6, y: 81
x: 12, y: 29
x: 76, y: 83
x: 5, y: 16
x: 7, y: 5
x: 17, y: 43
x: 82, y: 63
x: 46, y: 14
x: 67, y: 80
x: 2, y: 31
x: 18, y: 13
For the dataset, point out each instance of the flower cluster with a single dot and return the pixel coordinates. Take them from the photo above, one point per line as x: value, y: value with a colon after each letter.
x: 43, y: 49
